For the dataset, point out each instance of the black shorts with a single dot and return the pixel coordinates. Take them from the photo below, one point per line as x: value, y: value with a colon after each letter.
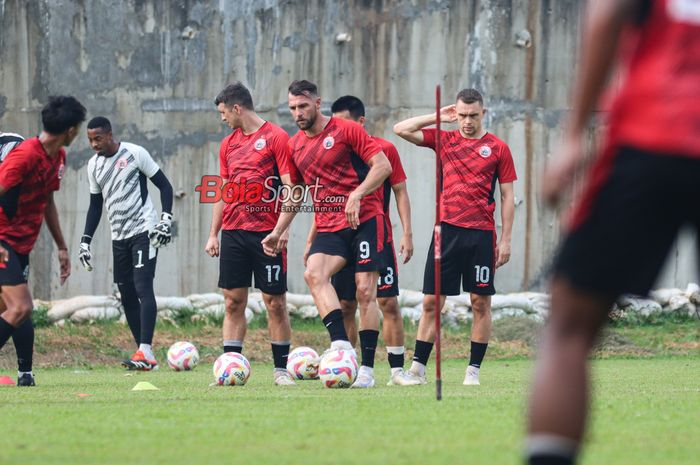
x: 629, y: 224
x: 387, y: 284
x: 467, y: 257
x: 242, y: 255
x: 134, y: 259
x: 361, y: 247
x: 16, y: 270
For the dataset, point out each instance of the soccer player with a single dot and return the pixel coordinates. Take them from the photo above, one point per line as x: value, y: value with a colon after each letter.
x: 473, y: 160
x: 352, y: 108
x: 348, y: 167
x: 642, y: 188
x: 254, y: 155
x: 29, y: 175
x: 118, y: 174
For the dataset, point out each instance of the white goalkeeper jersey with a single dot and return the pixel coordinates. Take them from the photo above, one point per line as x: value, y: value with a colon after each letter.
x: 8, y: 141
x: 122, y: 181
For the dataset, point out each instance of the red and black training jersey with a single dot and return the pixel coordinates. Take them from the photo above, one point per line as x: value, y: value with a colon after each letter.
x: 470, y: 169
x: 658, y: 105
x: 28, y: 176
x: 336, y: 160
x: 397, y: 176
x: 252, y: 165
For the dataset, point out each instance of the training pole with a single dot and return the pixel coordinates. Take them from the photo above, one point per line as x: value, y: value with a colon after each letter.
x: 437, y: 238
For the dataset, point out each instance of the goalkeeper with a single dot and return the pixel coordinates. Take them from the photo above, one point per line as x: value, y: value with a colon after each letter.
x: 117, y: 174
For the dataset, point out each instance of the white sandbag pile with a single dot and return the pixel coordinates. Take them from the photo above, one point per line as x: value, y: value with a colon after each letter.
x: 457, y: 311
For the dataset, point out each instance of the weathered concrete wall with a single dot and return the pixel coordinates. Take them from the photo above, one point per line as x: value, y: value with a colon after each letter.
x: 153, y: 67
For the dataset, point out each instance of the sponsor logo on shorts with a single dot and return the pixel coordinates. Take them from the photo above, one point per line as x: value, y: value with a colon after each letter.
x: 328, y: 142
x: 384, y: 287
x: 260, y: 144
x: 364, y: 261
x: 485, y: 151
x: 25, y: 273
x: 61, y: 170
x: 482, y: 285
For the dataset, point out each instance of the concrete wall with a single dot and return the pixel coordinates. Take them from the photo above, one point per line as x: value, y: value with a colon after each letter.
x: 154, y: 67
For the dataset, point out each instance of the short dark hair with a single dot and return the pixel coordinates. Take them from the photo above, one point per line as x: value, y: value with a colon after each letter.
x: 351, y: 104
x: 100, y: 122
x: 470, y: 96
x: 235, y: 94
x: 62, y: 113
x: 303, y: 87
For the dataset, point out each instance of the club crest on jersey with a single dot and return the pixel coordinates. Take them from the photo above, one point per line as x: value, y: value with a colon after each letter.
x: 485, y: 151
x: 328, y: 142
x: 61, y: 170
x: 122, y: 163
x: 260, y: 144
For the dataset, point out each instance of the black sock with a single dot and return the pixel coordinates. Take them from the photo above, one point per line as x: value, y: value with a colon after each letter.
x: 477, y: 353
x: 23, y: 337
x: 422, y: 352
x: 149, y: 308
x: 237, y: 349
x: 132, y: 309
x: 396, y: 360
x: 334, y: 324
x: 543, y: 459
x: 368, y: 344
x: 6, y: 330
x: 280, y: 352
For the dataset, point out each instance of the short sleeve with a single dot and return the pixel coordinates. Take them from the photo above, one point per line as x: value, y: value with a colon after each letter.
x: 429, y: 136
x: 94, y: 186
x: 223, y: 166
x: 146, y: 163
x: 506, y: 168
x: 361, y: 142
x: 14, y: 169
x: 60, y: 171
x: 398, y: 175
x: 280, y: 149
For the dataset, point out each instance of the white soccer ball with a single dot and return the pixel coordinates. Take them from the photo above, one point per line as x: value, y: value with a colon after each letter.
x: 302, y: 363
x: 183, y: 356
x: 231, y: 369
x: 338, y: 369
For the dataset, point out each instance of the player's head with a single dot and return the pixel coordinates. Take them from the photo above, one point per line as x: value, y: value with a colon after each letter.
x: 99, y: 132
x: 349, y: 107
x: 304, y: 103
x: 470, y: 112
x: 232, y: 102
x: 62, y: 116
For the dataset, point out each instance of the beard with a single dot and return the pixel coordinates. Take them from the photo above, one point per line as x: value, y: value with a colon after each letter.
x: 306, y: 124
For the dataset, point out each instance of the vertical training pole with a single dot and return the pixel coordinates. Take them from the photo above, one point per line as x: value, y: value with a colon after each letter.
x: 438, y: 247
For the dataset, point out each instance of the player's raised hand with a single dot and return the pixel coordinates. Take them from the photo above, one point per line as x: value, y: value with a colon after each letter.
x: 352, y: 210
x: 448, y: 114
x: 406, y: 247
x: 161, y: 235
x: 64, y: 262
x: 271, y: 243
x: 85, y: 256
x: 212, y: 247
x: 560, y: 170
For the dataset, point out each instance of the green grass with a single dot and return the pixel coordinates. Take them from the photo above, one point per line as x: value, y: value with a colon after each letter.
x: 645, y: 412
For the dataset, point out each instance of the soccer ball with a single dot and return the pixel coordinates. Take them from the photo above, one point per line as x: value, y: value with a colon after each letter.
x: 231, y: 369
x: 338, y: 369
x: 183, y: 356
x: 301, y: 363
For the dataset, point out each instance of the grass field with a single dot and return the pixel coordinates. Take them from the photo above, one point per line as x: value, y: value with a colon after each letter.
x: 646, y: 411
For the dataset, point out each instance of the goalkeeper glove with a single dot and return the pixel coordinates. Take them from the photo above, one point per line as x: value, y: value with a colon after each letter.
x: 160, y: 236
x: 84, y: 254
